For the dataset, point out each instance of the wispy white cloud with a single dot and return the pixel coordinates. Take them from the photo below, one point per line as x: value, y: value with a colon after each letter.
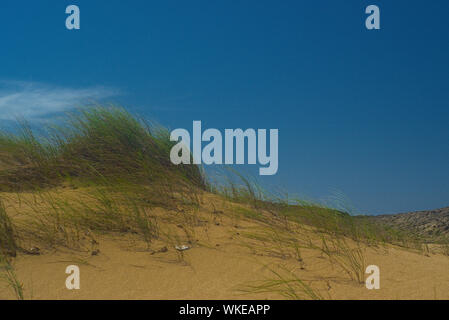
x: 36, y: 101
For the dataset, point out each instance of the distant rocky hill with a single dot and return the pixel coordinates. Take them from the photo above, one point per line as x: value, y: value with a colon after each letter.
x: 434, y: 223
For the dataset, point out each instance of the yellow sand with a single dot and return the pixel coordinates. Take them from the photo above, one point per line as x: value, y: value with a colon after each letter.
x: 220, y: 265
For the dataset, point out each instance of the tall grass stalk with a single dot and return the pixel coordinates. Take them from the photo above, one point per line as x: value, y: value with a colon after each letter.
x: 8, y: 275
x: 286, y: 283
x: 8, y: 244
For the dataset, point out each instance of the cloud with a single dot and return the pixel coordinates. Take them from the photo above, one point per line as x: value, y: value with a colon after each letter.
x: 36, y: 101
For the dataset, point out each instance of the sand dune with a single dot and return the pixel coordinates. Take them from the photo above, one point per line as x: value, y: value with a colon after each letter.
x: 226, y: 260
x: 103, y: 195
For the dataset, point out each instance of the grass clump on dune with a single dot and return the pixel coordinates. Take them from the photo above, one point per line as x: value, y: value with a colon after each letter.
x: 120, y: 164
x: 91, y: 143
x: 281, y: 210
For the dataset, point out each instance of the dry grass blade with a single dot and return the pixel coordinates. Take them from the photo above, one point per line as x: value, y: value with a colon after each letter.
x: 288, y: 284
x: 8, y: 245
x: 8, y: 275
x: 350, y: 259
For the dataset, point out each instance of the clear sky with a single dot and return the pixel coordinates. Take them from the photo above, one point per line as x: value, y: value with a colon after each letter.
x: 362, y: 113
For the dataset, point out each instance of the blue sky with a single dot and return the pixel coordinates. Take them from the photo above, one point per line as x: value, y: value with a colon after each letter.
x: 360, y: 113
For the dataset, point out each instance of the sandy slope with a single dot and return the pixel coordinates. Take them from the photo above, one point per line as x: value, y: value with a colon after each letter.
x: 221, y: 263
